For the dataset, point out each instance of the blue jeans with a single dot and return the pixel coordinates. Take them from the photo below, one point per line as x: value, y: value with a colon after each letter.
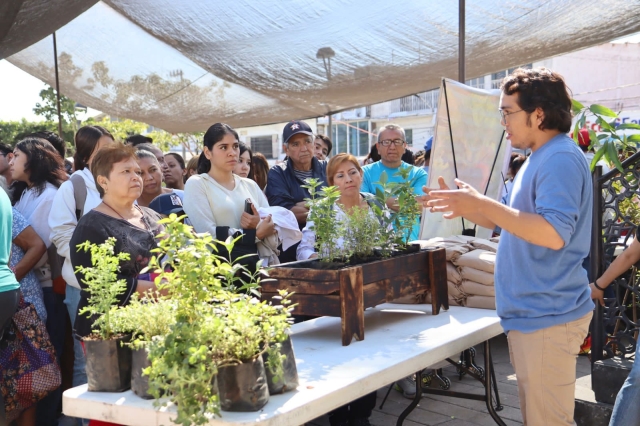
x: 627, y: 409
x: 72, y: 300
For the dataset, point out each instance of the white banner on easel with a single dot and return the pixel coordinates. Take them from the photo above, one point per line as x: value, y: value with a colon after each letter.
x: 470, y: 139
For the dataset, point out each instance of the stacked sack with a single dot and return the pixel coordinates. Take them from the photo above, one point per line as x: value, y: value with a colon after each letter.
x: 470, y: 269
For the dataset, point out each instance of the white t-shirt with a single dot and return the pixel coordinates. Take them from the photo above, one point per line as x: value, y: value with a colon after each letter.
x: 63, y: 221
x: 208, y: 204
x: 36, y: 209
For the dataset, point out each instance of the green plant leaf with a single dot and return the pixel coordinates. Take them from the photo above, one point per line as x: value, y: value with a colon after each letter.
x: 605, y: 126
x: 628, y: 126
x: 612, y: 155
x: 598, y: 155
x: 576, y: 130
x: 602, y: 110
x: 633, y: 138
x: 576, y: 106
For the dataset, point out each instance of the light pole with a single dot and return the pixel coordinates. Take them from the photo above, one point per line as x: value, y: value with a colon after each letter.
x: 326, y: 53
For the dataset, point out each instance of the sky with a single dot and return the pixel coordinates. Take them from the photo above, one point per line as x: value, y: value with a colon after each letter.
x: 19, y: 90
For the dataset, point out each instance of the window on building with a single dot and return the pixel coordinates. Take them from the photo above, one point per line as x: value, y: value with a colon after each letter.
x: 352, y: 137
x: 408, y: 135
x: 263, y: 145
x: 478, y: 83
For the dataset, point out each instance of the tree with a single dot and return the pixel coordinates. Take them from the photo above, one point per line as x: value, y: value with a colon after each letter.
x: 48, y: 108
x: 122, y: 128
x: 11, y: 132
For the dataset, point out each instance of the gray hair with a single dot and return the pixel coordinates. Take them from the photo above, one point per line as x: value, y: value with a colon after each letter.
x: 391, y: 126
x: 142, y: 153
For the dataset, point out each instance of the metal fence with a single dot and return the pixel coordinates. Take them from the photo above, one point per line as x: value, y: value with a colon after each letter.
x: 615, y: 326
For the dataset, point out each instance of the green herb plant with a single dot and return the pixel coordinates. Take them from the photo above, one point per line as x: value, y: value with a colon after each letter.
x: 323, y: 216
x: 397, y: 225
x: 103, y: 286
x: 362, y: 232
x: 145, y: 318
x: 216, y: 321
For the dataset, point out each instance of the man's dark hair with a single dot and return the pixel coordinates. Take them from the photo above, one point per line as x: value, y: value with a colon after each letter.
x: 135, y: 140
x: 327, y: 141
x: 407, y: 157
x: 5, y: 149
x: 544, y: 89
x: 53, y: 138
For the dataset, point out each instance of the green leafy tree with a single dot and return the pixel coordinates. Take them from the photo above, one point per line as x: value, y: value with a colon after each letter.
x: 48, y: 108
x: 11, y: 132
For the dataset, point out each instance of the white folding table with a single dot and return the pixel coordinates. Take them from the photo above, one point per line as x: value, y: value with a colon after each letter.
x: 399, y: 340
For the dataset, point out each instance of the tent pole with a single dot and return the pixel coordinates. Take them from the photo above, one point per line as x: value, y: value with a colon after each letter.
x: 55, y: 63
x: 329, y: 132
x: 461, y: 39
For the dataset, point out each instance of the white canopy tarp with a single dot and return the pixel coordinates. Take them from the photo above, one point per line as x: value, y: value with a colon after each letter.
x: 469, y: 143
x: 182, y: 65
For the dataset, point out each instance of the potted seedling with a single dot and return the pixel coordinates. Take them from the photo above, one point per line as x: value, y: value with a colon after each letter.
x: 148, y: 319
x: 279, y: 358
x: 359, y: 272
x: 108, y: 360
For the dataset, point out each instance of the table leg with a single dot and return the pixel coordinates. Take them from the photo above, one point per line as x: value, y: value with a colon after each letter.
x: 415, y: 402
x: 489, y: 376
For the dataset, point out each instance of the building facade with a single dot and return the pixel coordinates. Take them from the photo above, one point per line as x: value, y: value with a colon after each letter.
x: 608, y: 74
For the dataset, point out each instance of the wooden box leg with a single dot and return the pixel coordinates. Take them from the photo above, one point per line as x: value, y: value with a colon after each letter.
x: 352, y: 304
x: 438, y: 280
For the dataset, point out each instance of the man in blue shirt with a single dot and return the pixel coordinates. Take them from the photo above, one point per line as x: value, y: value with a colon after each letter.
x: 284, y: 181
x: 542, y: 290
x: 391, y: 145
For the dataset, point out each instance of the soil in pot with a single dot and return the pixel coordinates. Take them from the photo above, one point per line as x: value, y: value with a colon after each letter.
x: 243, y: 387
x: 288, y: 380
x: 140, y: 383
x: 108, y: 364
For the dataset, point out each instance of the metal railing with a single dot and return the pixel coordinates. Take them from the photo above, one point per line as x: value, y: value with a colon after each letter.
x: 616, y: 325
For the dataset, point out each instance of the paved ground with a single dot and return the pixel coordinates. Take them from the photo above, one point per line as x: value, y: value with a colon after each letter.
x: 439, y: 410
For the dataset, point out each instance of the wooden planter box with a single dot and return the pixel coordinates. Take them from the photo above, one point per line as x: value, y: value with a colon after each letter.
x: 347, y: 292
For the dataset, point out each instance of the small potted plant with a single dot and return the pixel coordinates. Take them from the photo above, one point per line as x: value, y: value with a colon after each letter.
x: 147, y: 319
x: 279, y: 358
x: 108, y: 360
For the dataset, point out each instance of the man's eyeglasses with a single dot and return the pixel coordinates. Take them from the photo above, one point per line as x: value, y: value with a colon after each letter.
x: 504, y: 115
x: 387, y: 142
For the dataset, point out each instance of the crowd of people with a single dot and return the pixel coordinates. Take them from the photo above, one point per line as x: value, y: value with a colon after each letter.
x: 123, y: 189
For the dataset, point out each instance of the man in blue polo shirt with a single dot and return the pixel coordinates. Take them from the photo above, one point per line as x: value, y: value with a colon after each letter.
x: 542, y: 290
x: 391, y: 145
x: 284, y: 182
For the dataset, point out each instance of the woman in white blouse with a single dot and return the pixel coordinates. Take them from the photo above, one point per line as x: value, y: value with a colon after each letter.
x: 214, y: 199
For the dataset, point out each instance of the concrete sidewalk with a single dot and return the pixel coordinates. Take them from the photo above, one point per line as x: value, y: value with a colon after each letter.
x: 440, y: 410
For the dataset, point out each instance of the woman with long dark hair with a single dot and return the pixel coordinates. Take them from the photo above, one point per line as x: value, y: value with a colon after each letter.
x: 174, y: 173
x: 259, y: 169
x: 37, y: 171
x: 215, y: 199
x: 244, y: 165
